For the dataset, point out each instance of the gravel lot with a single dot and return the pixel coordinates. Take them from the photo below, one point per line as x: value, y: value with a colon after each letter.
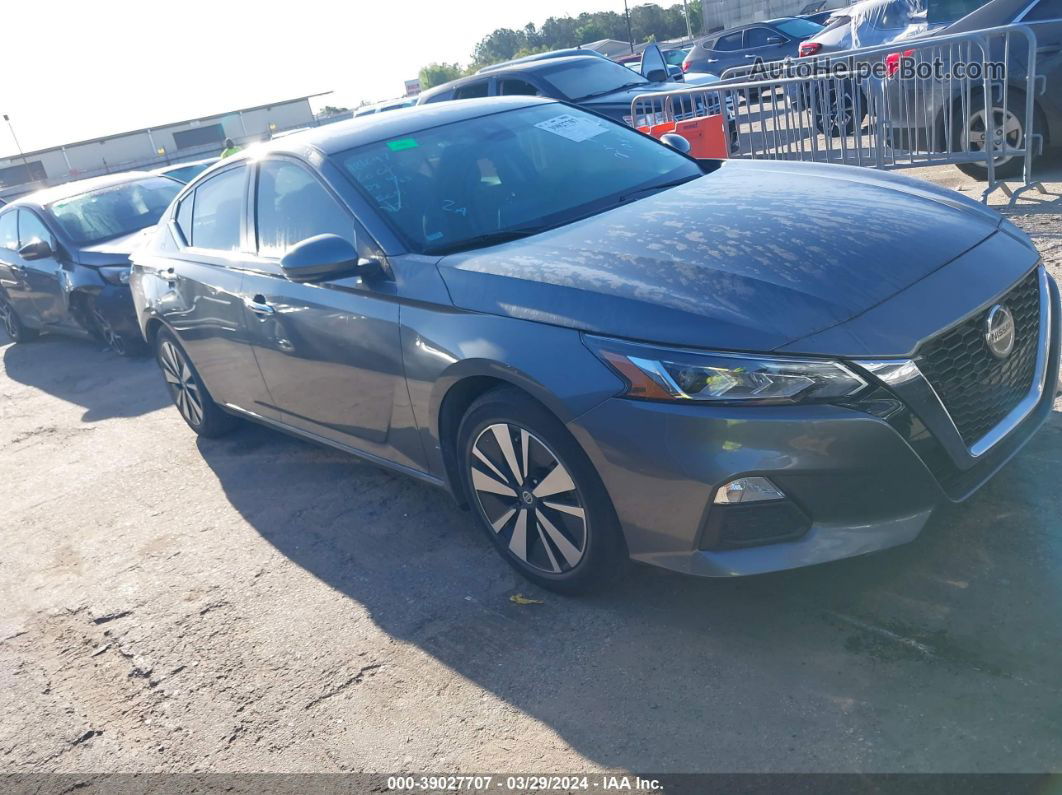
x: 259, y: 604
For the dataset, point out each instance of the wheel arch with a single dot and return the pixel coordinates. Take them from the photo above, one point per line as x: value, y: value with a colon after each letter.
x: 462, y: 385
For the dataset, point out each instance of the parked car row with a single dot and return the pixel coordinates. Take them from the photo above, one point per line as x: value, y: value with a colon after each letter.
x: 529, y: 305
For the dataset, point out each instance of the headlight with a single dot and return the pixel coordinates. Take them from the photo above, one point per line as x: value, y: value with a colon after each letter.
x: 118, y: 274
x: 656, y: 374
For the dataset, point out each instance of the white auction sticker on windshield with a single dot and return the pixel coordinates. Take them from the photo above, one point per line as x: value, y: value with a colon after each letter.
x: 572, y: 127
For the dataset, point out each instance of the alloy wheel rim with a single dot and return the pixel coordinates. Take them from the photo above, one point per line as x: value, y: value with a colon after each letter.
x: 529, y: 498
x: 110, y: 336
x: 1006, y: 127
x: 9, y: 319
x: 182, y: 384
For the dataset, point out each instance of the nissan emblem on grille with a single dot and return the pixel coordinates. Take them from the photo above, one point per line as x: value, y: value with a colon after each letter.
x: 999, y: 331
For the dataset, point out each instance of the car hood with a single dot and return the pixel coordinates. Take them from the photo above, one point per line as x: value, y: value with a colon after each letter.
x: 751, y: 257
x: 115, y: 251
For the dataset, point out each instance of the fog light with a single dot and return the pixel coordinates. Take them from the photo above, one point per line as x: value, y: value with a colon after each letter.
x: 753, y: 489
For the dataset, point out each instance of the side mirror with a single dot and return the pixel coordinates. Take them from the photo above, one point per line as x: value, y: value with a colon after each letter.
x: 320, y: 257
x: 36, y: 249
x: 654, y: 67
x: 676, y: 142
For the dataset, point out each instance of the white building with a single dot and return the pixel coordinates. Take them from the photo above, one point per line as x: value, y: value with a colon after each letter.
x: 156, y: 146
x: 720, y: 14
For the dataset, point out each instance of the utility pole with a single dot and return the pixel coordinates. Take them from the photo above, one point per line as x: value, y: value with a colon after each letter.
x: 686, y: 13
x: 17, y: 144
x: 630, y: 36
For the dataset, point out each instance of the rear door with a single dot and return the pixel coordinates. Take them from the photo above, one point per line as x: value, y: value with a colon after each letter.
x: 727, y: 52
x: 202, y: 300
x: 44, y: 277
x: 330, y: 351
x: 13, y: 278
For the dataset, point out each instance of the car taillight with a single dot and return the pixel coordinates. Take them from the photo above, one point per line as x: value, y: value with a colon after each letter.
x: 809, y: 48
x: 892, y: 61
x: 685, y: 67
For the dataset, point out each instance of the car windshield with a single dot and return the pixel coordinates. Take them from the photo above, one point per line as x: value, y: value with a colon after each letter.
x: 799, y: 28
x: 114, y: 211
x: 675, y: 57
x: 590, y: 77
x: 507, y: 175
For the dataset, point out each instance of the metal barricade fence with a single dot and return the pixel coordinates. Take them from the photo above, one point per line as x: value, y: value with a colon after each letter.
x: 967, y: 98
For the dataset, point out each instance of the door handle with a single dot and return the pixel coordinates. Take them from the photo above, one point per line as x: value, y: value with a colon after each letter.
x: 712, y: 60
x: 260, y: 306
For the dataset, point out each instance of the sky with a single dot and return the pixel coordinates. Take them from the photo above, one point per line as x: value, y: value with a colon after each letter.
x: 108, y: 66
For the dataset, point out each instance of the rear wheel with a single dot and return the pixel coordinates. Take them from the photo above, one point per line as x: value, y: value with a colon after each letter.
x: 13, y: 325
x: 189, y: 395
x: 537, y: 495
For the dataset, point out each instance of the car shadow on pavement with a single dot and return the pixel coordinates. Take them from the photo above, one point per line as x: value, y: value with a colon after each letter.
x: 886, y: 662
x: 86, y: 374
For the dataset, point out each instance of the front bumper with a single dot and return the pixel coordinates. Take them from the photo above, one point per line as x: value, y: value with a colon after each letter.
x: 865, y: 482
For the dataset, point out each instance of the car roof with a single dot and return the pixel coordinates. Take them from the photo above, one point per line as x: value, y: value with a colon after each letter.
x: 70, y: 189
x: 566, y: 52
x: 342, y: 135
x: 739, y: 28
x: 545, y: 65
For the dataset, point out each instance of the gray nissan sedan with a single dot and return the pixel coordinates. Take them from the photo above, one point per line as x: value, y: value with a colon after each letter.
x: 603, y: 348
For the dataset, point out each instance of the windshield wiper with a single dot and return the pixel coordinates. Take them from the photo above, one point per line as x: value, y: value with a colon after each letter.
x: 488, y: 239
x: 658, y: 186
x: 609, y: 91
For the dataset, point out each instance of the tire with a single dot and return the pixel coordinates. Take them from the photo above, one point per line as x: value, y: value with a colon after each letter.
x: 13, y: 325
x: 564, y: 539
x: 194, y: 403
x: 842, y: 120
x: 1011, y: 119
x: 122, y: 344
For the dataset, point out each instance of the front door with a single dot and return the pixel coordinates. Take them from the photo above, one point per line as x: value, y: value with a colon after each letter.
x: 329, y: 352
x: 44, y: 277
x: 13, y: 278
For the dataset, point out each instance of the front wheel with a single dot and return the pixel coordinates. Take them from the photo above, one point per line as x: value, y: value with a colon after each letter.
x: 992, y: 127
x: 537, y: 495
x: 13, y: 325
x: 189, y: 395
x: 121, y: 344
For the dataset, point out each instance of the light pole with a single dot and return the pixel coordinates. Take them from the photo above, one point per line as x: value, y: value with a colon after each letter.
x: 17, y: 144
x: 630, y: 36
x: 686, y: 13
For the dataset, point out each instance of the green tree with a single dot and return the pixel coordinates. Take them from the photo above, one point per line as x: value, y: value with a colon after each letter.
x: 435, y: 74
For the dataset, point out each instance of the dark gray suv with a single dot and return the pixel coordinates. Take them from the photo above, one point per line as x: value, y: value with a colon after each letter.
x: 588, y: 339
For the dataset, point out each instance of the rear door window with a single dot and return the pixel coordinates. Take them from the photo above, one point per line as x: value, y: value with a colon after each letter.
x: 218, y: 211
x: 470, y: 90
x: 757, y: 37
x: 728, y: 43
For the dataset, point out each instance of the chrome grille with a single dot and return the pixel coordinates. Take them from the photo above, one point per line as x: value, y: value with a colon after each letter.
x: 976, y: 388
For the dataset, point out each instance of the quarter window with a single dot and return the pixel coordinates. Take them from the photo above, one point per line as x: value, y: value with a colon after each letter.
x: 9, y: 230
x: 291, y: 205
x: 218, y: 209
